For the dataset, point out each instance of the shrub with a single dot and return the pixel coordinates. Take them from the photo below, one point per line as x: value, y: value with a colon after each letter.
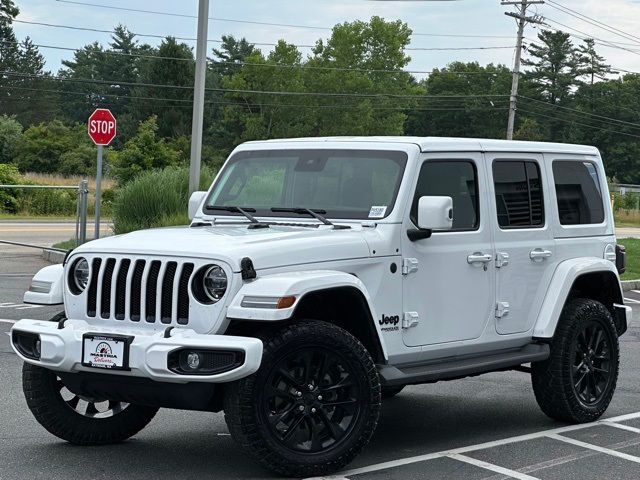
x: 156, y: 198
x: 47, y: 202
x: 9, y: 175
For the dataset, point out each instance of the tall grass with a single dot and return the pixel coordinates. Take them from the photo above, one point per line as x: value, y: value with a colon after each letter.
x: 73, y: 180
x: 155, y: 199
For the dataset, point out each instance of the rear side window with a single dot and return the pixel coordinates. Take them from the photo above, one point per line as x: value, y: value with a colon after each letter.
x: 455, y: 179
x: 578, y: 193
x: 518, y: 190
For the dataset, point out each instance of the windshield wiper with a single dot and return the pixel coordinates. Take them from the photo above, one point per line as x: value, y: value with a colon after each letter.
x: 316, y: 213
x: 255, y: 223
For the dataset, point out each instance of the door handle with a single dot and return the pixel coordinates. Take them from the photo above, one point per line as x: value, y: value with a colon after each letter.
x: 479, y: 257
x: 538, y: 254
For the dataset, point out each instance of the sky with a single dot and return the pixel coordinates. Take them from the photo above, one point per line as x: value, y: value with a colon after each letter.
x: 476, y: 19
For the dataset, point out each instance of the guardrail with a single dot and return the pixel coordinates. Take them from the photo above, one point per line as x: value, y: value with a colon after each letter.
x: 81, y: 207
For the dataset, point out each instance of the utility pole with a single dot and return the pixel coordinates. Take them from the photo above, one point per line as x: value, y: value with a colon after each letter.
x: 521, y: 16
x: 198, y: 96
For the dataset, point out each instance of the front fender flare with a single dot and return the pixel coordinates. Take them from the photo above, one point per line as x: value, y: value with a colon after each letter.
x: 296, y: 284
x: 564, y: 277
x: 47, y: 286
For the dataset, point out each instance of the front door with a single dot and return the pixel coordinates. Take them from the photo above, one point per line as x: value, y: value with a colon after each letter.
x: 525, y: 248
x: 449, y: 281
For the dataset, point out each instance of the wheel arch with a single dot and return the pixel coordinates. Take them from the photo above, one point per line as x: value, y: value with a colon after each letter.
x: 592, y: 278
x: 331, y: 296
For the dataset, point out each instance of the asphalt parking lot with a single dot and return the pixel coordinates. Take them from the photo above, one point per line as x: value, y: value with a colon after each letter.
x: 487, y: 427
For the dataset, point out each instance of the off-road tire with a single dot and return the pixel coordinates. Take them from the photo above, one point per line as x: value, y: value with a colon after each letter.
x: 248, y: 422
x: 390, y: 392
x: 42, y: 392
x: 552, y: 378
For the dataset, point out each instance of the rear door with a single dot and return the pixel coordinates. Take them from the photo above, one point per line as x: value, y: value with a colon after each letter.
x: 525, y: 248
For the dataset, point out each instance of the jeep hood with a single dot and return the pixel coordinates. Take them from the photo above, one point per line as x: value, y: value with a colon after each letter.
x: 276, y: 246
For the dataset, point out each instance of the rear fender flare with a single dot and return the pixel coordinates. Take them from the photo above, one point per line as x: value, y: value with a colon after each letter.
x: 564, y: 278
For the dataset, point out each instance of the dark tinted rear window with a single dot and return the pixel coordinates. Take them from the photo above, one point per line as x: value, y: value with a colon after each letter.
x: 518, y: 194
x: 578, y: 192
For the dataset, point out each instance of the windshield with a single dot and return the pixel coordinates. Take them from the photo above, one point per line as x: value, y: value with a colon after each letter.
x: 354, y: 184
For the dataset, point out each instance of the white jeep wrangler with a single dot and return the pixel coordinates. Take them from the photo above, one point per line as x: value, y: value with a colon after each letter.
x: 319, y: 276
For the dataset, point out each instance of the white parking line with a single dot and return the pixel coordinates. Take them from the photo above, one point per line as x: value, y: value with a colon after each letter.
x: 631, y: 300
x: 596, y: 448
x: 6, y: 320
x: 492, y: 467
x: 621, y: 426
x: 495, y: 443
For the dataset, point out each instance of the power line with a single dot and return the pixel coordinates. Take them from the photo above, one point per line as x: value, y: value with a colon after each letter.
x: 600, y: 41
x: 592, y: 21
x: 253, y: 64
x: 572, y: 122
x: 581, y: 112
x: 254, y: 22
x: 262, y: 44
x: 232, y: 90
x: 243, y: 104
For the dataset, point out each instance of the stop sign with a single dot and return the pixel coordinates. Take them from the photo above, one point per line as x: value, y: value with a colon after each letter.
x: 102, y: 126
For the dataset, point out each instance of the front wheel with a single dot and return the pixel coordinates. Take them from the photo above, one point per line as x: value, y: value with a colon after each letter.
x: 576, y: 383
x: 76, y: 419
x: 313, y: 404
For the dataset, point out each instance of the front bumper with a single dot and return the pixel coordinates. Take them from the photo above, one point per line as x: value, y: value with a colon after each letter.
x: 61, y: 350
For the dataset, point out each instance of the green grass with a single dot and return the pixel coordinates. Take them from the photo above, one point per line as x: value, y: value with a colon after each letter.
x: 66, y: 245
x: 633, y: 258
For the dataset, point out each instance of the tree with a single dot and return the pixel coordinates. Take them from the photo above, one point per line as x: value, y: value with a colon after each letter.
x: 456, y: 103
x: 144, y: 151
x: 555, y: 73
x: 590, y: 64
x: 232, y: 51
x: 173, y: 67
x: 10, y: 134
x: 42, y: 145
x: 556, y: 66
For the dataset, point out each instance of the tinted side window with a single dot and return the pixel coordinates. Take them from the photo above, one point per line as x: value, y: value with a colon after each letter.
x: 578, y: 192
x: 519, y: 201
x: 455, y: 179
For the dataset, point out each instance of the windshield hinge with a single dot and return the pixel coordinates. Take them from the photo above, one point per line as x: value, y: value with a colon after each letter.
x: 409, y: 265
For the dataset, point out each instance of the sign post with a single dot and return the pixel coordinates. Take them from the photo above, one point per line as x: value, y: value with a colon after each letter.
x: 102, y: 130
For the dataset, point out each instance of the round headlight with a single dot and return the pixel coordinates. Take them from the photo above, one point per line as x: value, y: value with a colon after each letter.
x: 80, y: 274
x: 214, y: 283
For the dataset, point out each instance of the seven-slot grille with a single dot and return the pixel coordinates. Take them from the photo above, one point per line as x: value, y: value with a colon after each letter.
x: 139, y: 290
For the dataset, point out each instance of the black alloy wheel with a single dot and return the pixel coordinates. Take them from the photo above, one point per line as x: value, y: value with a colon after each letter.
x: 313, y: 404
x: 592, y: 370
x: 311, y: 400
x: 577, y: 382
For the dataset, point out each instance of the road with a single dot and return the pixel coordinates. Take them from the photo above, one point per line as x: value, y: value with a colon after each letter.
x: 45, y: 233
x: 434, y: 431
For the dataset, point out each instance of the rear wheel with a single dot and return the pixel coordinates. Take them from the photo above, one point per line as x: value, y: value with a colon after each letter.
x: 78, y: 419
x: 576, y: 383
x: 313, y: 404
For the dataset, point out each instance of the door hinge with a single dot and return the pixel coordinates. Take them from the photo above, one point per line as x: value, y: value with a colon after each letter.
x: 502, y: 259
x: 502, y: 309
x: 410, y: 319
x: 409, y: 265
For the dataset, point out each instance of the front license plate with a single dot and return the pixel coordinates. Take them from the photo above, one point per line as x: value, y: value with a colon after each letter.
x: 106, y: 351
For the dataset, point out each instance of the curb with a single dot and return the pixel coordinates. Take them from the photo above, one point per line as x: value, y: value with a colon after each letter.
x: 53, y: 256
x: 630, y: 285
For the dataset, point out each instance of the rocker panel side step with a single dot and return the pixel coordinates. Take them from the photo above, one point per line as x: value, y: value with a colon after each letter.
x: 462, y: 367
